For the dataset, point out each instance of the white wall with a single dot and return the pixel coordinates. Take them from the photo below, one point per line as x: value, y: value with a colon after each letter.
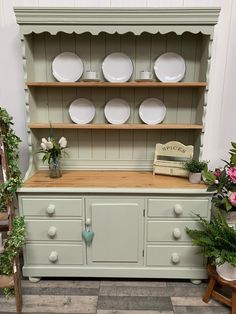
x: 220, y: 120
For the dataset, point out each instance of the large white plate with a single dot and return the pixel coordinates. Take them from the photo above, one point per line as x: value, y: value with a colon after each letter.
x: 82, y: 111
x: 169, y: 67
x: 117, y: 111
x: 117, y: 67
x: 152, y: 111
x: 67, y: 67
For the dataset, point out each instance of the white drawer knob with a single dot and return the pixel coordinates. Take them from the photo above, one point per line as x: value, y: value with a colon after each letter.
x: 175, y: 258
x: 177, y: 233
x: 52, y: 231
x: 53, y: 257
x: 50, y: 210
x: 178, y: 209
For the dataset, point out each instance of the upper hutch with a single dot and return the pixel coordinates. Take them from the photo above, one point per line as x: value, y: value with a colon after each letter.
x: 122, y: 151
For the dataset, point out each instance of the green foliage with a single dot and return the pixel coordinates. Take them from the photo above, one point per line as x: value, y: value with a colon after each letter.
x: 11, y: 142
x: 12, y: 246
x: 233, y: 154
x: 16, y: 236
x: 216, y: 238
x: 195, y: 166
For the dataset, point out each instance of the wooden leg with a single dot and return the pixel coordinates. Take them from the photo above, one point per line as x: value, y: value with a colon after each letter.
x: 17, y: 286
x: 233, y: 302
x: 209, y: 290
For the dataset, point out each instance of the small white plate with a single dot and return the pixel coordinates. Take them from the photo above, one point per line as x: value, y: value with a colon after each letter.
x: 152, y: 111
x: 169, y: 67
x: 82, y: 111
x: 117, y: 67
x: 117, y: 111
x: 67, y: 67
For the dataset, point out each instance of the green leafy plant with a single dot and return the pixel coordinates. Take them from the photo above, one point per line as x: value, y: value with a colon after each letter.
x: 16, y: 236
x: 216, y: 239
x: 223, y: 183
x: 195, y: 166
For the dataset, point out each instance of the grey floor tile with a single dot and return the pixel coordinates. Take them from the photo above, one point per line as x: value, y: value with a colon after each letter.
x: 201, y: 310
x: 59, y: 291
x: 132, y: 312
x: 134, y: 303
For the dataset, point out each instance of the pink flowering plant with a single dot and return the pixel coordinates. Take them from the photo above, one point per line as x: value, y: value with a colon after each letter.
x: 223, y: 182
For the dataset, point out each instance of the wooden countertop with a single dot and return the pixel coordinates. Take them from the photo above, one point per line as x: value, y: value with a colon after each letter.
x: 116, y: 180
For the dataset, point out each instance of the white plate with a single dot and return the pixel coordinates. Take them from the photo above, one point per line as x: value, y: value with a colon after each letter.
x: 152, y: 111
x: 117, y: 111
x: 67, y: 67
x: 169, y: 67
x: 82, y: 111
x: 117, y: 67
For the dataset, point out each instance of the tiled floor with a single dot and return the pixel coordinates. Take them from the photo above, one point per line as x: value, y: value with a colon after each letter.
x: 113, y: 297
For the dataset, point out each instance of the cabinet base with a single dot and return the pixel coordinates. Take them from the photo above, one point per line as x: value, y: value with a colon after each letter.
x: 34, y: 279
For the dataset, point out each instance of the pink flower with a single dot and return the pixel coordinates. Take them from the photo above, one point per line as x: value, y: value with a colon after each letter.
x: 232, y: 198
x: 217, y: 173
x: 232, y: 174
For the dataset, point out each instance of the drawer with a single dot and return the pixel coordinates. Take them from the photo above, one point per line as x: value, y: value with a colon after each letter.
x: 169, y: 230
x: 51, y: 207
x: 177, y: 256
x: 178, y: 207
x: 45, y: 254
x: 59, y: 230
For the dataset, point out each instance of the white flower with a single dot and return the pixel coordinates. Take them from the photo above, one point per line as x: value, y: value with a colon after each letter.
x: 62, y: 142
x: 49, y: 145
x: 216, y: 181
x: 43, y: 146
x: 44, y: 140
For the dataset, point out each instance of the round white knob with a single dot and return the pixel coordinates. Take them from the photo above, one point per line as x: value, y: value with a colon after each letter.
x: 52, y: 231
x: 88, y: 222
x: 175, y: 258
x: 53, y: 257
x: 177, y: 233
x: 50, y: 210
x: 178, y: 209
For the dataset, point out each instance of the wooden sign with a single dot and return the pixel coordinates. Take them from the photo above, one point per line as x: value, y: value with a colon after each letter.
x: 170, y: 158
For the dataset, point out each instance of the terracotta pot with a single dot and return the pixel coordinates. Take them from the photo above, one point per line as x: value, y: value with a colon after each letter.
x: 226, y: 271
x: 195, y: 177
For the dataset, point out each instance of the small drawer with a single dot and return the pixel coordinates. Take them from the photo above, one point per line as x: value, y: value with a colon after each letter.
x: 178, y: 207
x: 56, y: 230
x: 45, y: 254
x: 51, y: 207
x: 169, y: 230
x: 176, y: 256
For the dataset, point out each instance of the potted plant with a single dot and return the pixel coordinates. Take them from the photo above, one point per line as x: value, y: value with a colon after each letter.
x: 195, y: 168
x: 223, y: 183
x: 217, y: 240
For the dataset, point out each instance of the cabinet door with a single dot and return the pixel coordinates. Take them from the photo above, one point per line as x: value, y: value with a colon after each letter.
x: 118, y: 231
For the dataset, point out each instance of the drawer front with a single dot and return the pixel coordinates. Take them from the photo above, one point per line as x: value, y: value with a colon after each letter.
x: 169, y: 230
x: 176, y: 256
x: 53, y: 254
x: 52, y: 207
x: 56, y: 230
x: 177, y: 207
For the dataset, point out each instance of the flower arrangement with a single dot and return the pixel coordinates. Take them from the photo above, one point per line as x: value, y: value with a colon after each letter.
x: 223, y: 182
x: 52, y: 151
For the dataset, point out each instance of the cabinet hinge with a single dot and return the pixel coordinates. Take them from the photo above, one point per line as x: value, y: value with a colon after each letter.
x: 143, y: 253
x: 144, y: 213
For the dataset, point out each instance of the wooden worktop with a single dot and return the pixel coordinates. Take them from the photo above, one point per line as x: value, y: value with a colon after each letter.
x: 109, y: 179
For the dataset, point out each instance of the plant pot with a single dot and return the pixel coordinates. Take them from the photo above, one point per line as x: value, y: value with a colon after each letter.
x: 226, y: 271
x: 195, y: 177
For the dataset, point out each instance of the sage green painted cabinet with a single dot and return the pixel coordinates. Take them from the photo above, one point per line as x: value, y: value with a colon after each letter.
x: 139, y: 230
x: 118, y: 226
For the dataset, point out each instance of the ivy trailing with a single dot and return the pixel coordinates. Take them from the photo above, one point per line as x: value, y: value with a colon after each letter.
x: 16, y: 236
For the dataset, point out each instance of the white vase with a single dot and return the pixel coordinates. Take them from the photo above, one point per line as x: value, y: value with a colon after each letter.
x: 226, y: 271
x: 195, y: 177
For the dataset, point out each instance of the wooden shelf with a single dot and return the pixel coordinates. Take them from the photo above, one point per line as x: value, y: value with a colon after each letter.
x: 108, y: 84
x: 116, y: 126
